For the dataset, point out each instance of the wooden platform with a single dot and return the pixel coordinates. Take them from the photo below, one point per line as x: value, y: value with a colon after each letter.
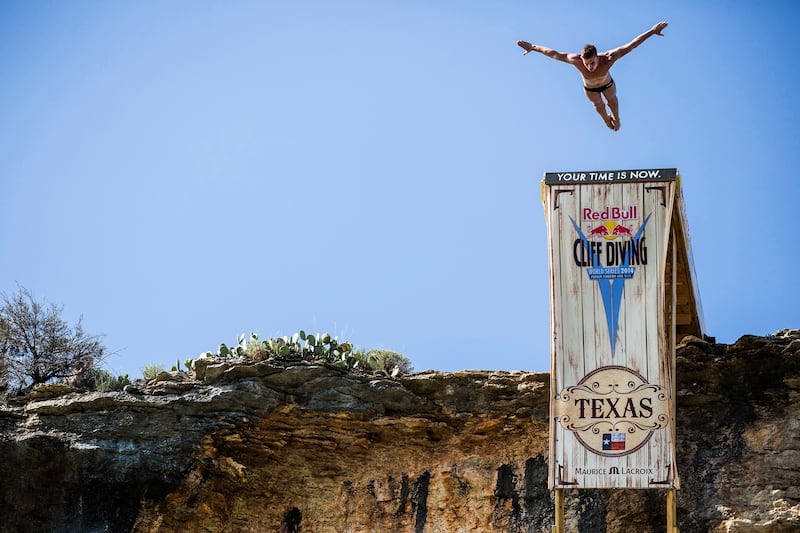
x: 623, y: 294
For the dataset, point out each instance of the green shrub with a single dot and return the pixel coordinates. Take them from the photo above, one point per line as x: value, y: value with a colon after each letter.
x: 390, y: 362
x: 109, y: 383
x: 152, y: 370
x: 102, y: 380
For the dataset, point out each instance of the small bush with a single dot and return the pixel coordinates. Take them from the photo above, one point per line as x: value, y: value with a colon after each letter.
x: 152, y: 370
x: 390, y: 362
x: 101, y: 380
x: 107, y: 382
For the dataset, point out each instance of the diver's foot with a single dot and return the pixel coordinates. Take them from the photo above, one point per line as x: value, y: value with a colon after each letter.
x: 615, y: 122
x: 609, y: 120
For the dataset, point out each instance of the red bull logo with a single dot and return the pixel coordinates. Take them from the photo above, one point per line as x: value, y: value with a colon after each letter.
x: 610, y: 231
x: 619, y: 229
x: 611, y: 213
x: 599, y: 231
x: 612, y: 264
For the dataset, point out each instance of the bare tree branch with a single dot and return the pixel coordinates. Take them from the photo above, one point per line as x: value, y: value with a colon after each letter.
x: 39, y: 346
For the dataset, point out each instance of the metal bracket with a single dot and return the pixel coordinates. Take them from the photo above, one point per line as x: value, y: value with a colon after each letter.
x: 570, y: 191
x: 561, y: 477
x: 667, y: 481
x: 663, y: 190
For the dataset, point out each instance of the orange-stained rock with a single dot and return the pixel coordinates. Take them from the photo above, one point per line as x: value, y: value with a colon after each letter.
x: 269, y: 448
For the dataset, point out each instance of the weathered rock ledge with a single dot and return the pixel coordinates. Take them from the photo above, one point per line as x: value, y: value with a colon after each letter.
x: 259, y: 448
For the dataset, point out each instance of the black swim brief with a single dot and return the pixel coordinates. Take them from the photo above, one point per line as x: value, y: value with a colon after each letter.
x: 600, y: 89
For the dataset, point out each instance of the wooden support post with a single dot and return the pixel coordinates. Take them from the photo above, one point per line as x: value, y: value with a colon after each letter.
x: 672, y: 512
x: 672, y: 505
x: 559, y: 525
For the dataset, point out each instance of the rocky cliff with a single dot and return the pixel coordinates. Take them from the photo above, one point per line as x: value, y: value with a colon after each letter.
x: 264, y: 448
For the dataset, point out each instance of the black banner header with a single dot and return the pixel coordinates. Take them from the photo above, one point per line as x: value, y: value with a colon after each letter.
x: 610, y: 176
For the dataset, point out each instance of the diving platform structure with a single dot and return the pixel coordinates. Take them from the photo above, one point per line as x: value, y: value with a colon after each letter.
x: 623, y: 293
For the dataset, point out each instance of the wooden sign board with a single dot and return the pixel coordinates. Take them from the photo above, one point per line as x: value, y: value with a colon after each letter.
x: 617, y: 246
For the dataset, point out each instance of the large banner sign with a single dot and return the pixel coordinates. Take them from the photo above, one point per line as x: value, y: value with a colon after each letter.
x: 612, y: 419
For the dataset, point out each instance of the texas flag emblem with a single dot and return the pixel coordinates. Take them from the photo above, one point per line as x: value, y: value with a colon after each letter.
x: 613, y: 441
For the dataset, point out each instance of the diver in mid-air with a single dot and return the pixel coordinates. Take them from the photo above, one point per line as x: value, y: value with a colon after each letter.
x: 594, y: 68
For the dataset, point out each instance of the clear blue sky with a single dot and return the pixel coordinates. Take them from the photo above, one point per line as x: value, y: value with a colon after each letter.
x: 182, y: 172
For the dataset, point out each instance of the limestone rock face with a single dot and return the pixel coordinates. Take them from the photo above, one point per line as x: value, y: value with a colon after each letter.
x: 302, y: 448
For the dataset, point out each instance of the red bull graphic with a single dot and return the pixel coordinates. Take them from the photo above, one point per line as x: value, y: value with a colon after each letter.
x: 611, y: 265
x: 599, y: 231
x: 618, y: 247
x: 610, y: 231
x: 611, y: 213
x: 619, y: 229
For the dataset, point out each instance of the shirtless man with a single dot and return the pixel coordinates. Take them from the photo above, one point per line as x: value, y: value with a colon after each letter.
x: 594, y: 69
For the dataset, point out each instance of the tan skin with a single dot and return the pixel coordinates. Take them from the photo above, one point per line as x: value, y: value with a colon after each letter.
x: 595, y: 69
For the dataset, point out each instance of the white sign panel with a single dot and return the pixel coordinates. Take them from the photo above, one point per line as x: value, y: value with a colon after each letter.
x: 611, y: 404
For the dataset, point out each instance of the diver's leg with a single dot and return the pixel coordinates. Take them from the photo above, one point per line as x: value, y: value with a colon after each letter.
x: 613, y: 105
x: 600, y: 107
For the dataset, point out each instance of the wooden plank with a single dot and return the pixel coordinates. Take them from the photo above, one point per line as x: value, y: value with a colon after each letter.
x: 597, y: 340
x: 673, y: 377
x: 570, y: 341
x: 637, y: 312
x: 565, y: 355
x: 554, y: 452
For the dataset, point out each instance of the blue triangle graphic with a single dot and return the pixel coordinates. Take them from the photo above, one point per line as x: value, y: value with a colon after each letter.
x: 610, y: 290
